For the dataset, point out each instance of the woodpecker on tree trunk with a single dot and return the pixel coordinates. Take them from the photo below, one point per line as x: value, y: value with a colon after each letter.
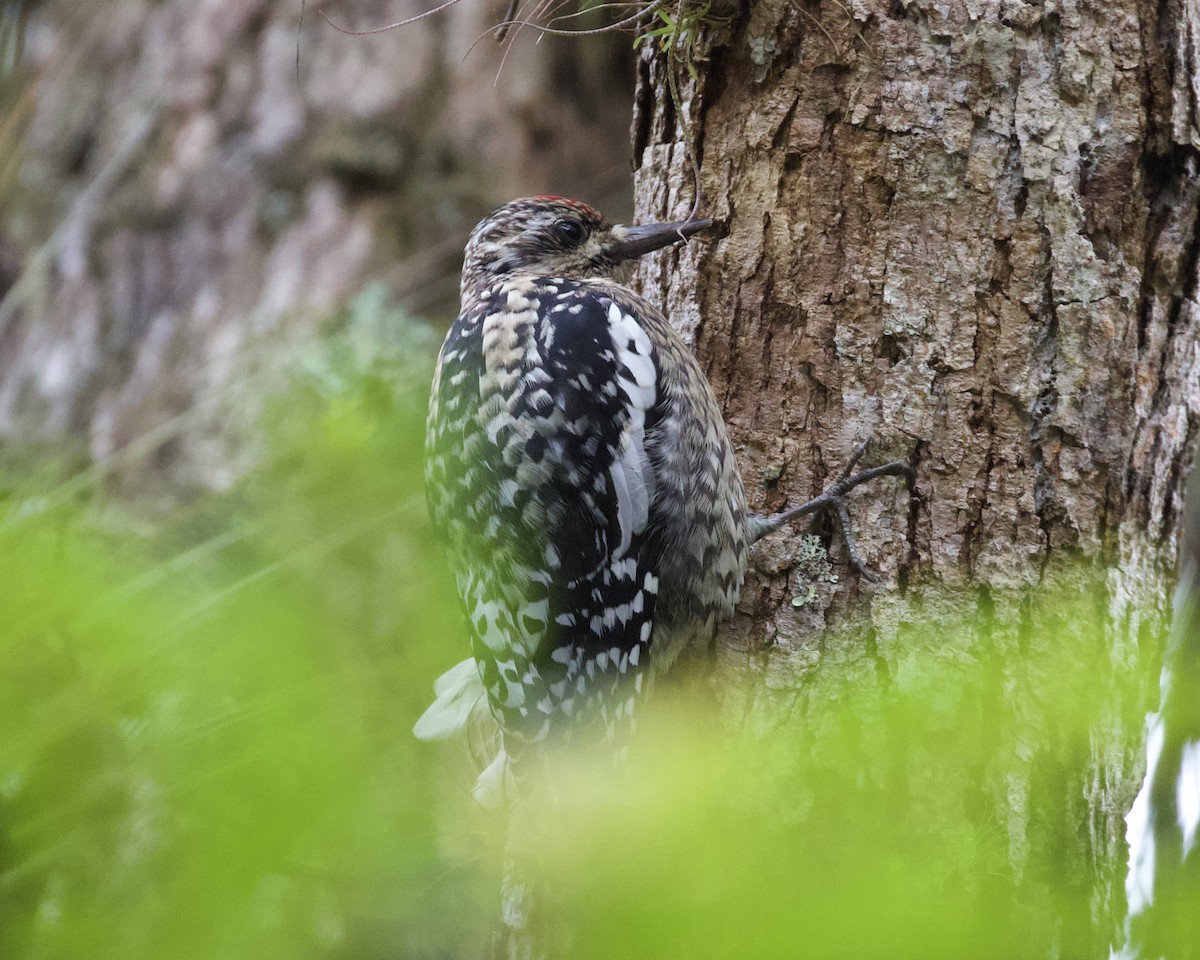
x: 580, y: 473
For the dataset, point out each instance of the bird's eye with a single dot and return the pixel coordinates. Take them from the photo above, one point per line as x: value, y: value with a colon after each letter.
x: 570, y: 230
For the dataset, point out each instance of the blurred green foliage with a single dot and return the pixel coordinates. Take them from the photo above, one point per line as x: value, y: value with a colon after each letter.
x: 205, y: 745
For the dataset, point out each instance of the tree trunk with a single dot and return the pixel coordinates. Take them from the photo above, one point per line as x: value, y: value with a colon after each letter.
x: 970, y: 233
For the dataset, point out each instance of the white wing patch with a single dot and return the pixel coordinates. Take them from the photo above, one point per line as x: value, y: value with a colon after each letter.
x: 459, y: 696
x: 630, y: 472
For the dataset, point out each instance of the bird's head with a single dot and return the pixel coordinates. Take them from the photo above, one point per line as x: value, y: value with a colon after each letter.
x: 553, y: 236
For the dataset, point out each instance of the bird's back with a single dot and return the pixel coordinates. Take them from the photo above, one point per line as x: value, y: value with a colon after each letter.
x: 580, y: 472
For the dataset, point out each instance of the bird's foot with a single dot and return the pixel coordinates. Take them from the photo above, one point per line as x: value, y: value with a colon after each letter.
x: 832, y: 499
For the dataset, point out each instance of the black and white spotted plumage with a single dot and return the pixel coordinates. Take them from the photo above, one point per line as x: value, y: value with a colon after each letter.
x: 579, y: 472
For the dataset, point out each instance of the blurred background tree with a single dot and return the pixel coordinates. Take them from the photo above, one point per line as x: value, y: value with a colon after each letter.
x: 200, y: 185
x: 967, y: 232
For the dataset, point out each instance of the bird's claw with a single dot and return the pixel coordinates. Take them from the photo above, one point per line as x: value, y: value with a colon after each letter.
x: 832, y: 498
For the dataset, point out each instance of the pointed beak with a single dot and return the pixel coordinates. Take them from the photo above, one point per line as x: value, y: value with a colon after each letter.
x: 633, y: 242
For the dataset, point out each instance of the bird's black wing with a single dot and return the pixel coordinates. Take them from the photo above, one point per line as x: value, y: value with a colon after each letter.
x: 559, y: 557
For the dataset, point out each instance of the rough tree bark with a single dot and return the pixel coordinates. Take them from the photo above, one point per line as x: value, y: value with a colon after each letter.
x: 200, y: 185
x: 968, y: 230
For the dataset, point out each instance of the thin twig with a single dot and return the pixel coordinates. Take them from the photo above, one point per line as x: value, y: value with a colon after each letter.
x: 586, y: 11
x: 607, y: 28
x: 391, y: 26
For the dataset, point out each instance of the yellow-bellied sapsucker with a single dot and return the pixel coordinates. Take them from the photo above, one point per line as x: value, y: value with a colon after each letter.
x: 581, y: 475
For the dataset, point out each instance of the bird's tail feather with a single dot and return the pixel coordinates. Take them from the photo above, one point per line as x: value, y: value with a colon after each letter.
x: 460, y: 697
x: 460, y: 710
x: 494, y: 787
